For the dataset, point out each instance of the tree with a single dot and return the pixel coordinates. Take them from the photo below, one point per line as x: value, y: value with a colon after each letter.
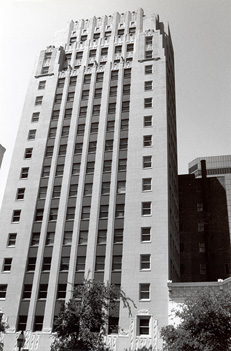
x: 82, y: 322
x: 3, y: 327
x: 205, y: 324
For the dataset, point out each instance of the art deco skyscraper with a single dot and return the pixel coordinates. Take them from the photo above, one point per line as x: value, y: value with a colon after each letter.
x: 92, y: 189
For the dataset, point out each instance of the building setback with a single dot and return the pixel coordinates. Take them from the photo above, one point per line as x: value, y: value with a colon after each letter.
x: 205, y: 218
x: 92, y: 189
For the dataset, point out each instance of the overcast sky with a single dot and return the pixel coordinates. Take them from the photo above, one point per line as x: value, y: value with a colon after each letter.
x: 201, y: 35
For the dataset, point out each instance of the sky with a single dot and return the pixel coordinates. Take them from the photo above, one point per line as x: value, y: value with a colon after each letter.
x: 201, y: 35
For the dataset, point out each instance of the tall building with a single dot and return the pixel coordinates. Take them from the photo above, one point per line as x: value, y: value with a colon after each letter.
x: 205, y: 219
x: 92, y: 189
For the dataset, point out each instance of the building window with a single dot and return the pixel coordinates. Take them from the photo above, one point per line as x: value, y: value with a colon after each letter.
x: 98, y: 93
x: 112, y: 108
x: 116, y: 263
x: 50, y: 238
x: 121, y: 187
x: 88, y: 189
x: 78, y: 148
x: 42, y: 291
x: 145, y: 234
x: 130, y: 47
x: 148, y: 85
x: 122, y: 165
x: 67, y: 239
x: 201, y: 247
x: 62, y: 150
x: 107, y: 166
x: 55, y: 115
x: 16, y: 216
x: 103, y: 213
x: 126, y: 89
x: 80, y: 264
x: 83, y: 111
x: 70, y: 97
x: 79, y: 55
x: 11, y: 239
x: 148, y: 103
x: 52, y: 132
x: 70, y: 213
x: 31, y: 264
x: 146, y: 208
x: 121, y: 32
x: 105, y: 188
x: 31, y: 134
x: 147, y: 161
x: 132, y: 30
x: 96, y: 36
x: 35, y: 239
x: 27, y: 291
x: 42, y: 84
x: 203, y: 269
x: 59, y: 170
x: 118, y: 49
x: 28, y: 152
x: 148, y: 69
x: 83, y: 235
x: 68, y: 113
x: 145, y: 262
x: 99, y: 263
x: 125, y: 106
x: 3, y: 289
x: 22, y: 320
x: 200, y: 227
x: 75, y: 168
x: 35, y: 117
x: 119, y: 212
x: 127, y: 73
x: 99, y: 77
x: 146, y: 184
x: 104, y: 51
x: 113, y: 91
x: 81, y: 128
x: 148, y: 54
x: 92, y: 53
x: 20, y: 193
x: 110, y: 126
x: 24, y: 173
x: 73, y: 81
x: 124, y: 124
x: 147, y: 121
x: 96, y: 110
x: 108, y: 145
x: 38, y: 100
x: 61, y: 293
x: 45, y: 70
x: 73, y: 190
x: 148, y: 40
x: 46, y: 171
x: 94, y: 127
x: 87, y: 78
x: 56, y: 191
x: 53, y: 214
x: 7, y: 265
x: 85, y: 94
x: 102, y: 237
x: 64, y: 265
x: 65, y: 131
x: 144, y: 292
x: 49, y: 151
x: 118, y: 236
x: 92, y: 146
x: 61, y: 82
x: 58, y: 98
x: 123, y: 144
x: 38, y: 323
x: 199, y: 207
x: 86, y: 212
x: 143, y: 325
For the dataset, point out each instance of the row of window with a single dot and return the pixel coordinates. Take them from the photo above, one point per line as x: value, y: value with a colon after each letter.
x: 145, y: 236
